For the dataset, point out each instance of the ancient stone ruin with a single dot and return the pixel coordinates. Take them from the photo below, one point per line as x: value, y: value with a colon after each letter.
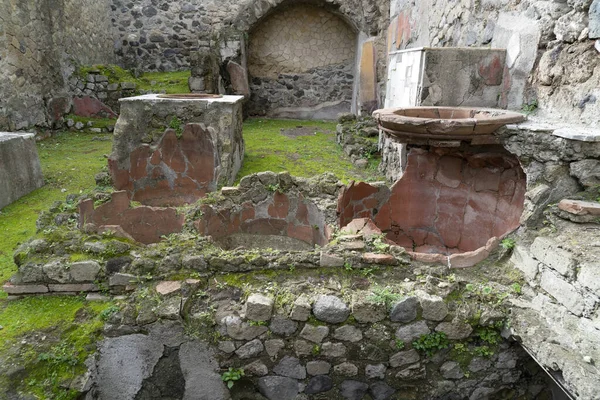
x: 471, y: 273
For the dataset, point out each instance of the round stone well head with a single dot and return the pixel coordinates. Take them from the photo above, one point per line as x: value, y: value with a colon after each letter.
x: 450, y: 123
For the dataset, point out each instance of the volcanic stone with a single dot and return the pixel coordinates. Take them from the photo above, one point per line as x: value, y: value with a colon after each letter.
x: 331, y: 309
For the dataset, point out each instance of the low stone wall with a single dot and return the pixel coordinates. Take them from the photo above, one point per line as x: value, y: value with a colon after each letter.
x: 319, y: 93
x: 20, y: 169
x: 284, y: 343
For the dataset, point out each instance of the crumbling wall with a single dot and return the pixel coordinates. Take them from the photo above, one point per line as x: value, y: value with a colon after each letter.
x: 551, y: 61
x: 40, y: 44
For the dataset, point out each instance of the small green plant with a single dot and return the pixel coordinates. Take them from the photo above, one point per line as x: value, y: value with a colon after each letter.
x: 431, y: 343
x: 232, y: 375
x: 274, y: 188
x: 60, y: 354
x: 400, y: 344
x: 316, y: 350
x: 108, y: 312
x: 516, y: 288
x: 530, y: 107
x: 175, y: 124
x: 348, y: 266
x: 384, y: 296
x: 460, y: 347
x: 257, y: 323
x: 508, y: 243
x: 483, y: 351
x: 379, y: 244
x: 489, y: 335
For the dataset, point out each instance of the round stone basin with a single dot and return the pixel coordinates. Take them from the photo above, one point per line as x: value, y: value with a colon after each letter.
x: 190, y: 96
x: 444, y: 122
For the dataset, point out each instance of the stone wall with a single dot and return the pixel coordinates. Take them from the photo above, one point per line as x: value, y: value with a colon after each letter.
x: 40, y: 45
x: 301, y: 56
x: 539, y: 37
x: 297, y: 39
x: 154, y: 36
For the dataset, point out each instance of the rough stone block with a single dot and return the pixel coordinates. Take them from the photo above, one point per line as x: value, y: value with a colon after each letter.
x: 73, y: 287
x: 434, y: 307
x: 408, y: 333
x: 366, y: 311
x: 259, y: 307
x: 404, y: 358
x: 250, y: 349
x: 24, y: 289
x: 318, y: 368
x: 579, y: 207
x: 455, y: 330
x: 20, y: 169
x: 589, y: 276
x: 548, y: 252
x: 301, y: 309
x: 594, y: 20
x: 84, y: 271
x: 331, y: 309
x: 290, y: 367
x: 405, y: 310
x: 329, y: 260
x: 315, y: 334
x: 525, y: 262
x: 562, y: 291
x: 119, y: 279
x: 348, y: 333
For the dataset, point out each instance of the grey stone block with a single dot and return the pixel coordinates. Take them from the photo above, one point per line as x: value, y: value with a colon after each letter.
x: 348, y: 333
x: 290, y: 367
x: 259, y: 307
x: 84, y: 271
x: 20, y: 169
x: 525, y: 262
x: 434, y: 307
x: 318, y: 368
x: 405, y: 310
x: 562, y: 291
x: 547, y: 251
x: 411, y: 332
x: 278, y: 387
x: 403, y: 358
x: 301, y: 309
x: 250, y: 349
x: 315, y: 334
x: 594, y: 20
x: 589, y: 276
x: 331, y: 309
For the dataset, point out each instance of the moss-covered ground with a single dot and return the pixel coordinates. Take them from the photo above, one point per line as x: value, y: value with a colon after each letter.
x: 268, y: 149
x: 170, y: 82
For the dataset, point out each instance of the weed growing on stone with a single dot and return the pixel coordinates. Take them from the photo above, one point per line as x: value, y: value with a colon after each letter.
x: 400, y: 344
x: 384, y: 296
x: 431, y: 343
x: 175, y: 124
x: 508, y: 243
x: 232, y: 375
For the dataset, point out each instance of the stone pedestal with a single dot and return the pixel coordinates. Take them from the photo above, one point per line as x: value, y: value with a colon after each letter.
x: 20, y: 170
x: 172, y: 150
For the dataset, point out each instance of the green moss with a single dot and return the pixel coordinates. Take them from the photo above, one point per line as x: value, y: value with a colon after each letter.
x: 97, y: 122
x: 170, y: 82
x: 305, y: 156
x: 69, y: 161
